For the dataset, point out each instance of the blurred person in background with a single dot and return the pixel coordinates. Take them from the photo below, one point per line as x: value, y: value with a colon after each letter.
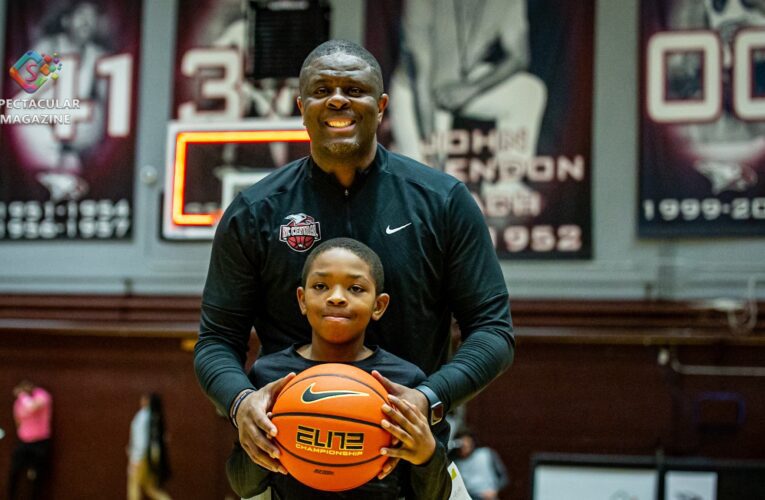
x: 148, y: 466
x: 32, y: 412
x: 481, y: 468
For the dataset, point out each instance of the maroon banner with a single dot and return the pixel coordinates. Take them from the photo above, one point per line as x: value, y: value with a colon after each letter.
x: 702, y: 145
x: 212, y: 91
x: 210, y: 82
x: 67, y: 120
x: 497, y: 93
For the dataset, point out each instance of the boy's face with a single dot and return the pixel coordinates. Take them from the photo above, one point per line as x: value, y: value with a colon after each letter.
x: 340, y: 298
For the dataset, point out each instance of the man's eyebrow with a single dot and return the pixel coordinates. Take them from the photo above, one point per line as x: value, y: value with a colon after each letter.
x: 330, y: 75
x: 316, y: 80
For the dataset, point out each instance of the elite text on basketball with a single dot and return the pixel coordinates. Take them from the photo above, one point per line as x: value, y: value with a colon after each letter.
x: 329, y: 442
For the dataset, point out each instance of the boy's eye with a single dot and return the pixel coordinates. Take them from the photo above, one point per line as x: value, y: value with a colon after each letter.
x: 320, y: 91
x: 355, y: 91
x: 357, y: 289
x: 319, y: 286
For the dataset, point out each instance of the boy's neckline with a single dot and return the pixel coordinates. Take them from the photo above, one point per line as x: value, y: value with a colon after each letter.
x: 305, y: 352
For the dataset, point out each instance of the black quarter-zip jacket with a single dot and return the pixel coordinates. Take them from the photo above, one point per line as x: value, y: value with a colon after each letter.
x: 436, y: 252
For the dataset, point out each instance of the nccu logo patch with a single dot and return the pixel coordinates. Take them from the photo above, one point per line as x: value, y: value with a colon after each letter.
x: 300, y: 233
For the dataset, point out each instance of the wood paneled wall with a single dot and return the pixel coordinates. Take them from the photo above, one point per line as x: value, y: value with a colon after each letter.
x: 96, y: 382
x: 611, y: 396
x: 586, y: 379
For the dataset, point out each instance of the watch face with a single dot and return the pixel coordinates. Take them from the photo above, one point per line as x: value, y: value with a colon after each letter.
x: 436, y: 413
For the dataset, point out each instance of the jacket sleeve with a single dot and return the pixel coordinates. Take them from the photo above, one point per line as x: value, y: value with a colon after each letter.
x: 246, y: 478
x: 227, y: 312
x: 478, y: 297
x: 431, y: 480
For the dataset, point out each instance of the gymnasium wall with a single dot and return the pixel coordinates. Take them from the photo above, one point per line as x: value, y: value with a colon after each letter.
x: 96, y: 379
x: 100, y: 323
x: 603, y: 378
x: 623, y: 266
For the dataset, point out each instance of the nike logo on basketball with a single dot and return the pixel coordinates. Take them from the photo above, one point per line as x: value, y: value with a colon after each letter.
x: 388, y: 230
x: 310, y: 396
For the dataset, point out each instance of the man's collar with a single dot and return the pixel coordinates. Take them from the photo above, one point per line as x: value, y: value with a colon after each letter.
x: 380, y: 161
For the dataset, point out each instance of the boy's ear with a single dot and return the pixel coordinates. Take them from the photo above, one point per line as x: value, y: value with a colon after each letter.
x: 381, y: 304
x: 301, y: 299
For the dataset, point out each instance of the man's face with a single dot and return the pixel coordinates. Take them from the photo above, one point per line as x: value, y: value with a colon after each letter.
x: 467, y: 445
x: 342, y: 106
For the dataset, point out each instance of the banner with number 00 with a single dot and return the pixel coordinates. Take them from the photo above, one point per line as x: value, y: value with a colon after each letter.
x: 702, y: 135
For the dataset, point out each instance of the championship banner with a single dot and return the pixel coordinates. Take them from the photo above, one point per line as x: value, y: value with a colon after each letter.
x: 497, y: 93
x: 68, y: 120
x: 702, y: 140
x: 224, y: 50
x: 212, y: 53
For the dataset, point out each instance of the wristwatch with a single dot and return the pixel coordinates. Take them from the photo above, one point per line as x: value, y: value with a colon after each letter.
x: 435, y: 406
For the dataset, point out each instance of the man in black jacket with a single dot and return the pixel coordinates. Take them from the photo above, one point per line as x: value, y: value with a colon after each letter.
x: 424, y: 225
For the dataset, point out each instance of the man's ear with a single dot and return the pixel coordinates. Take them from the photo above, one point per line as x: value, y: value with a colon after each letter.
x: 300, y: 107
x: 382, y: 103
x: 301, y: 299
x: 381, y: 304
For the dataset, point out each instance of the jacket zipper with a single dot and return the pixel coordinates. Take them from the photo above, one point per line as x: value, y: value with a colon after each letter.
x: 348, y: 227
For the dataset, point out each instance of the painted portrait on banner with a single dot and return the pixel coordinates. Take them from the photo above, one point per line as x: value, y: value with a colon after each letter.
x: 702, y: 165
x: 68, y: 115
x: 498, y: 94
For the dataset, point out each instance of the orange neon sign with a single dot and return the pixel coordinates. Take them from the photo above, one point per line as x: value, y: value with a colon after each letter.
x: 183, y: 139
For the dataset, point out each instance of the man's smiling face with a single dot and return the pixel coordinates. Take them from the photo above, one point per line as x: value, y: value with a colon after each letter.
x: 342, y: 105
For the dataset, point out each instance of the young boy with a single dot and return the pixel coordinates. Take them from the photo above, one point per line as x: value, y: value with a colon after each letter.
x: 341, y: 292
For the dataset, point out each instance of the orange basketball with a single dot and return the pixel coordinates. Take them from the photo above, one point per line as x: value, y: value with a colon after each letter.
x: 329, y: 427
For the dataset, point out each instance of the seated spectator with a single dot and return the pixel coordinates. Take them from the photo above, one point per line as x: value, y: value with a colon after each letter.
x: 480, y: 466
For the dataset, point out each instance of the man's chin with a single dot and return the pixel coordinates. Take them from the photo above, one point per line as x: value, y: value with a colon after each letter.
x: 342, y: 148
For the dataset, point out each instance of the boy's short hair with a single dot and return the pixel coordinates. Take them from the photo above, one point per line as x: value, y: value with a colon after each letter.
x: 357, y: 248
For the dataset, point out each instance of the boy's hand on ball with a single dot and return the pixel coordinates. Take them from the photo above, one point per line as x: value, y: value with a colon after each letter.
x: 407, y: 423
x: 408, y: 394
x: 256, y: 429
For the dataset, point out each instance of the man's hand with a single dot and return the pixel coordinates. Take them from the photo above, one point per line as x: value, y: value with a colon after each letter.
x: 413, y: 396
x: 256, y: 429
x: 410, y: 427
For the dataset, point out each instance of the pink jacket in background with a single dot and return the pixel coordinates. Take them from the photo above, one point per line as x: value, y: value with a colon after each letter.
x: 33, y: 415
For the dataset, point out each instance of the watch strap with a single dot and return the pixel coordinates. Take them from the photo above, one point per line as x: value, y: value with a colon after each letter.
x: 435, y: 406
